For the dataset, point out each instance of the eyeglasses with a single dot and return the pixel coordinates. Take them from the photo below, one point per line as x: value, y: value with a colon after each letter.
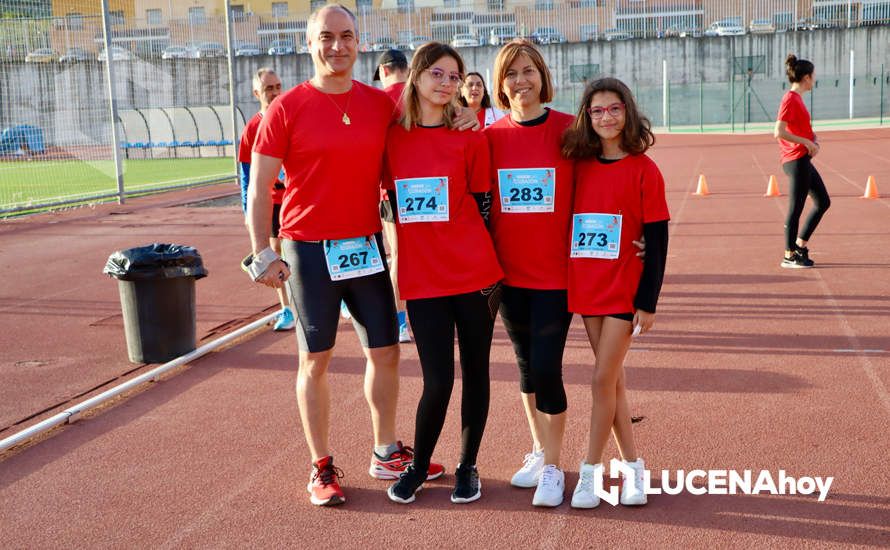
x: 615, y: 110
x: 441, y: 76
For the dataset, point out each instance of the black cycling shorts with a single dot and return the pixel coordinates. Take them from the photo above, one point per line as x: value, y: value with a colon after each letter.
x: 276, y: 220
x: 316, y: 299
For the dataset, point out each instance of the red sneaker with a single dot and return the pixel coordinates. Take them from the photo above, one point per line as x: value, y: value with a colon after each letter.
x: 391, y: 467
x: 324, y: 490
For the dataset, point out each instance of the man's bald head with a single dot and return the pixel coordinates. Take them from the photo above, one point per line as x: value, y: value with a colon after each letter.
x: 314, y: 16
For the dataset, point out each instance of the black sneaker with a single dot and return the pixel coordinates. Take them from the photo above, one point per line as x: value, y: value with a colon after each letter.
x: 797, y: 260
x: 409, y: 483
x: 805, y: 252
x: 467, y: 486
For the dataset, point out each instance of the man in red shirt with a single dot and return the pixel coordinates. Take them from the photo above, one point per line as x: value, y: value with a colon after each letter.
x: 266, y: 87
x: 329, y: 134
x: 392, y: 72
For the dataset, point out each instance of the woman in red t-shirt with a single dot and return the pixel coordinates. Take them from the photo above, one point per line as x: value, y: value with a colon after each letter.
x: 619, y: 194
x: 474, y: 94
x: 532, y: 186
x: 798, y: 146
x: 448, y: 271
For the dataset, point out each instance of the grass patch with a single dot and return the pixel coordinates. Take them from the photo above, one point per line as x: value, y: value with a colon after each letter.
x: 38, y: 181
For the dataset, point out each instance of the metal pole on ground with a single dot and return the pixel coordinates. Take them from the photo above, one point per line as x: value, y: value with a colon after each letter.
x: 230, y: 64
x: 852, y: 81
x: 112, y: 101
x: 881, y: 120
x: 701, y: 104
x: 664, y: 93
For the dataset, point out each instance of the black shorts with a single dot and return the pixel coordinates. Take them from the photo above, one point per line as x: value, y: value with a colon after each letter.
x: 316, y: 299
x: 386, y: 213
x: 629, y: 317
x: 276, y: 220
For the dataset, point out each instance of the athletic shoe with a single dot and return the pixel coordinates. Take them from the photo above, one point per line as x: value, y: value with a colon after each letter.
x: 530, y: 473
x: 584, y: 495
x: 404, y: 335
x: 797, y: 260
x: 344, y: 311
x: 392, y: 466
x: 409, y: 483
x: 805, y: 252
x: 551, y: 487
x: 284, y: 320
x: 467, y: 486
x: 324, y: 490
x: 632, y: 488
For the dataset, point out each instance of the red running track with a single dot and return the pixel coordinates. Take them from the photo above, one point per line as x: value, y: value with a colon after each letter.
x: 749, y: 367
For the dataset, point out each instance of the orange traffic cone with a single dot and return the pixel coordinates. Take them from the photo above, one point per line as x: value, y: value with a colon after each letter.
x: 702, y: 186
x: 871, y: 189
x: 772, y: 189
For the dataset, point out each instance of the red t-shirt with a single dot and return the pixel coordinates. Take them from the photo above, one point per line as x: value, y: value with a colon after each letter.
x: 248, y: 137
x: 333, y: 169
x: 532, y: 246
x: 793, y: 111
x: 395, y: 92
x: 443, y: 258
x: 634, y: 188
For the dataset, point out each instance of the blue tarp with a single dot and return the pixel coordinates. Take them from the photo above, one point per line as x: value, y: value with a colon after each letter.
x: 23, y: 136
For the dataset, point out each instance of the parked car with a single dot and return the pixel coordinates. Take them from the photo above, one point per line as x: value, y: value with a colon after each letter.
x: 813, y: 23
x: 760, y: 26
x: 117, y: 54
x: 41, y: 55
x: 725, y: 28
x: 382, y: 43
x: 247, y: 49
x: 208, y: 49
x: 176, y: 52
x: 612, y: 35
x: 547, y: 35
x: 73, y: 55
x: 282, y: 47
x: 464, y: 40
x: 499, y: 37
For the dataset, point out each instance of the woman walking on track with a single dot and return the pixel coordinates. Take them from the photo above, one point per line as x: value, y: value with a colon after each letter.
x: 619, y: 192
x: 448, y: 270
x: 474, y: 95
x: 530, y: 226
x: 798, y: 146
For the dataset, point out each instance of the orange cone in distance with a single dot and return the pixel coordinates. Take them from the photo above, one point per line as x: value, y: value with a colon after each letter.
x: 702, y: 186
x: 871, y: 189
x: 772, y: 189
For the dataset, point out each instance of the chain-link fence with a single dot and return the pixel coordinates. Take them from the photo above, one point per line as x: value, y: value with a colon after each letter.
x: 695, y: 65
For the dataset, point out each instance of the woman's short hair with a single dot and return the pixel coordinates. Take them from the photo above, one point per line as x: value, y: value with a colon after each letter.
x: 506, y: 57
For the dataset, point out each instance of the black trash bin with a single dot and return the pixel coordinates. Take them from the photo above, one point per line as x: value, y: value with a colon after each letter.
x: 157, y: 289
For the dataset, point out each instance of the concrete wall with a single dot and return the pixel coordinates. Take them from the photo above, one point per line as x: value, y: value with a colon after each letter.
x: 69, y: 101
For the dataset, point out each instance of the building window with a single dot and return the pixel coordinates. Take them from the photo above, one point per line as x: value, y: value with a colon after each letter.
x: 279, y: 9
x: 364, y: 7
x: 405, y: 6
x: 496, y: 5
x: 154, y: 17
x: 75, y: 21
x: 543, y: 5
x: 116, y: 17
x: 238, y: 12
x: 317, y: 4
x: 197, y: 16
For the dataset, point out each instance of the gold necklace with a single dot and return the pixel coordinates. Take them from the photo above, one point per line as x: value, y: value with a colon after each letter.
x: 345, y: 118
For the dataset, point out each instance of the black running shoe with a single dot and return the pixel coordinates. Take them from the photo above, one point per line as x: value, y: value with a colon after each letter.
x: 409, y: 483
x: 797, y: 260
x: 467, y: 486
x: 805, y: 252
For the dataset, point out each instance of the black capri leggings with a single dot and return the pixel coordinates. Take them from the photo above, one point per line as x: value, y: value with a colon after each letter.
x: 538, y: 324
x: 805, y: 180
x: 433, y: 321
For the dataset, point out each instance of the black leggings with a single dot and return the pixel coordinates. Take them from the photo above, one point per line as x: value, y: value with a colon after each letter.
x: 805, y: 180
x: 433, y: 321
x: 538, y: 324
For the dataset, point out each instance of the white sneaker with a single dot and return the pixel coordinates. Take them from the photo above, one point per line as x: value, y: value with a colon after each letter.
x: 344, y: 311
x: 551, y: 487
x: 528, y: 475
x: 632, y: 489
x: 584, y: 495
